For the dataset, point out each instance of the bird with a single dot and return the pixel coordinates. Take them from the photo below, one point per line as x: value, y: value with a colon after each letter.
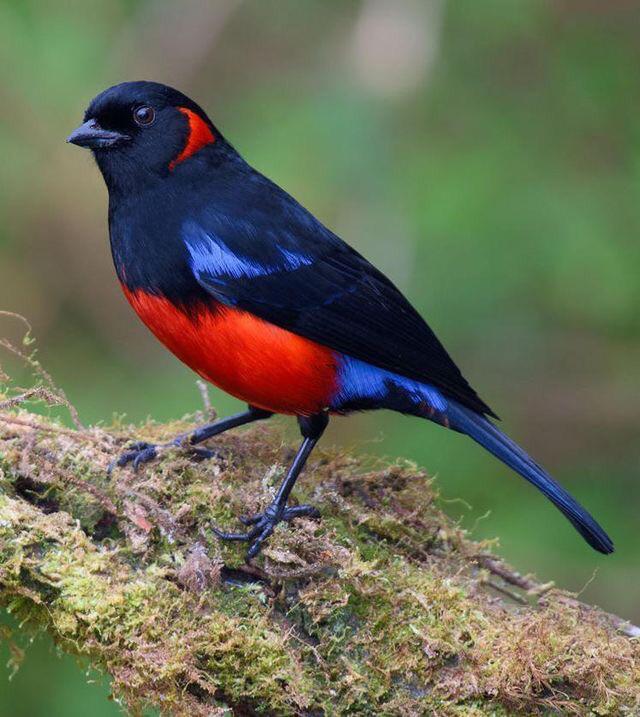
x: 251, y: 291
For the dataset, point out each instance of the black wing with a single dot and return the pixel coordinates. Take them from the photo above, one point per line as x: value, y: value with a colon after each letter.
x: 281, y: 264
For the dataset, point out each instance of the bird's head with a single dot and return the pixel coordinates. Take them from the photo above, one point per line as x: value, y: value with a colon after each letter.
x: 143, y: 130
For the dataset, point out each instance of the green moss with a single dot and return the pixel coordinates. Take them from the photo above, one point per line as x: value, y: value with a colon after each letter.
x: 380, y: 609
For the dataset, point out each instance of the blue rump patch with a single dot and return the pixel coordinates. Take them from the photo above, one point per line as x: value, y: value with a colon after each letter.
x: 360, y: 382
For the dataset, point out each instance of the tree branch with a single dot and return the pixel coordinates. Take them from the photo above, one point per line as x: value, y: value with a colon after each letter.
x: 383, y: 607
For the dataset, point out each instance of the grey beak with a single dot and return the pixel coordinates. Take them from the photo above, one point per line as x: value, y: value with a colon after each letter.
x: 91, y: 135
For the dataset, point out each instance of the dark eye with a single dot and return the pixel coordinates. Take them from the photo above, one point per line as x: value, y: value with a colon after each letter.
x: 144, y: 115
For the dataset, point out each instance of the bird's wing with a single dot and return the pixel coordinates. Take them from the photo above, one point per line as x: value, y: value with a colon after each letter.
x: 281, y: 264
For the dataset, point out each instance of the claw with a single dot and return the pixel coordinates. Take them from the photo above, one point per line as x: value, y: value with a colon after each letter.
x: 138, y: 453
x: 144, y: 456
x: 129, y: 455
x: 264, y: 524
x: 256, y: 546
x: 235, y: 536
x: 203, y: 452
x: 300, y: 511
x: 142, y: 452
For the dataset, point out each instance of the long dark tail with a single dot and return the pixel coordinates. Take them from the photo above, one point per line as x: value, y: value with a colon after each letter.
x: 490, y: 437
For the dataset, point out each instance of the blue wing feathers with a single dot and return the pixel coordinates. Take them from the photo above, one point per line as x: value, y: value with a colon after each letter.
x: 211, y: 257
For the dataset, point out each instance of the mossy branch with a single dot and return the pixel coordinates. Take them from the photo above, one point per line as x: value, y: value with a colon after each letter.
x: 385, y: 607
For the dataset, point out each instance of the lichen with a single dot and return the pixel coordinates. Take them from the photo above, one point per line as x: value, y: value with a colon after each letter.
x: 384, y: 607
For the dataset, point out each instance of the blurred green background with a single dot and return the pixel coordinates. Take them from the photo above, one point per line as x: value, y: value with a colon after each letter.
x: 486, y: 155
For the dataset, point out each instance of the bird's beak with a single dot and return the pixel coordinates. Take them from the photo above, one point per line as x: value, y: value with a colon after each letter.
x: 91, y: 135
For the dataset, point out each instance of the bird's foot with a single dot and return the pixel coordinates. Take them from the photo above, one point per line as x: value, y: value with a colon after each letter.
x: 143, y: 452
x: 263, y: 524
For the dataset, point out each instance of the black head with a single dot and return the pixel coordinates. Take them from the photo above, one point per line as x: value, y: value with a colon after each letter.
x: 143, y: 131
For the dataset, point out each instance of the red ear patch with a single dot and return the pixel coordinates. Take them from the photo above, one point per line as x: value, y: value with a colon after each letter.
x: 200, y: 134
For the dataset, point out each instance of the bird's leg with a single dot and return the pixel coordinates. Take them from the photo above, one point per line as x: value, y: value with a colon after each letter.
x: 263, y: 524
x: 142, y: 452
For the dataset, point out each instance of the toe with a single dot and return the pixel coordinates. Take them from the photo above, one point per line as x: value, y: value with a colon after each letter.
x: 137, y: 454
x: 144, y: 456
x: 125, y: 458
x: 237, y: 536
x: 256, y: 546
x: 229, y: 536
x: 140, y: 446
x: 203, y: 453
x: 263, y: 524
x: 300, y: 511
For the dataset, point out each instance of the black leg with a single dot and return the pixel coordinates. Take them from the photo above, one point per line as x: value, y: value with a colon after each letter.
x: 143, y: 452
x: 224, y: 424
x: 264, y: 523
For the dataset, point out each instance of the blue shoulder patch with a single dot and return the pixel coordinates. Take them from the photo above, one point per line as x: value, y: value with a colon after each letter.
x: 210, y: 256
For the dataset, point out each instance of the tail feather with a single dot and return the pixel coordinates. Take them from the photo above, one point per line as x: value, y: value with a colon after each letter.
x: 490, y: 437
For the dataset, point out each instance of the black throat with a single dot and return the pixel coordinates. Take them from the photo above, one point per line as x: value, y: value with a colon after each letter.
x: 148, y: 252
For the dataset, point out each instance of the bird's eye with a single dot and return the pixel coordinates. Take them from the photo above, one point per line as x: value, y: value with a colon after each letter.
x: 144, y: 115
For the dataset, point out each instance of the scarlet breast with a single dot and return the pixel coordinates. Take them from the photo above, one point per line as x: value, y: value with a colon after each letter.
x: 256, y: 361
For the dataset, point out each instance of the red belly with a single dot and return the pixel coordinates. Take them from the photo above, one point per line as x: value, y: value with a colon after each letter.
x: 256, y: 361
